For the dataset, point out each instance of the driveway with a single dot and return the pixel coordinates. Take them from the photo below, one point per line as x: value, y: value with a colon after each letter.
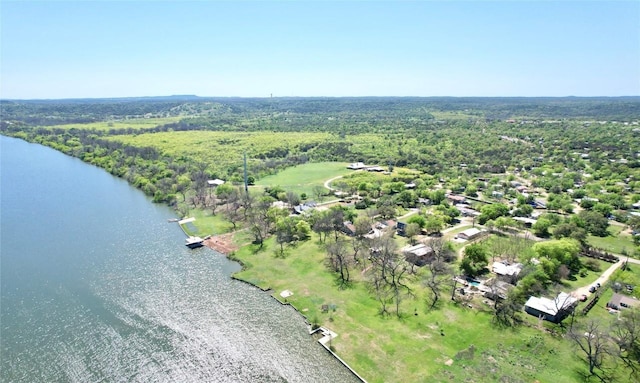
x: 602, y: 279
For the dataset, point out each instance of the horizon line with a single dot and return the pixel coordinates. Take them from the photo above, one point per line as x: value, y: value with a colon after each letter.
x: 184, y: 96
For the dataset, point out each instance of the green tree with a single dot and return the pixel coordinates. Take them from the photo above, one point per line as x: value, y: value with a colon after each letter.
x: 594, y: 223
x: 411, y: 231
x: 541, y: 227
x: 475, y: 260
x: 492, y: 211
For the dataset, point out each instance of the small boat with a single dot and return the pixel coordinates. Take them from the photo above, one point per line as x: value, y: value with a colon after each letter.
x: 173, y: 220
x: 194, y: 242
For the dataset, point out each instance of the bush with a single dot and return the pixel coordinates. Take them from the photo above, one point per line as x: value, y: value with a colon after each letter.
x: 592, y: 264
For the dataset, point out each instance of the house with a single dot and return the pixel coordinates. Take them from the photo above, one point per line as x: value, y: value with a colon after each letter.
x: 384, y: 225
x: 456, y: 199
x: 400, y: 228
x: 374, y: 169
x: 497, y: 289
x: 467, y: 211
x: 528, y: 222
x: 215, y: 183
x: 552, y: 310
x: 470, y: 234
x: 538, y: 204
x: 348, y: 228
x: 419, y: 254
x: 619, y: 301
x: 306, y: 207
x: 374, y: 233
x: 356, y: 166
x: 521, y: 189
x: 506, y: 269
x: 497, y: 194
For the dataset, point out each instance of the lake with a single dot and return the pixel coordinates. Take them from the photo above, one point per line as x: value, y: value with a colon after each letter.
x: 96, y: 285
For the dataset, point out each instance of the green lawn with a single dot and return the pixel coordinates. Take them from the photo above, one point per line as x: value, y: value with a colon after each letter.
x: 302, y: 178
x: 617, y: 242
x: 589, y: 278
x: 207, y: 224
x: 416, y: 347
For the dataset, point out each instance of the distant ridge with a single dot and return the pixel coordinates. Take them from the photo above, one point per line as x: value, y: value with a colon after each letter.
x: 192, y: 97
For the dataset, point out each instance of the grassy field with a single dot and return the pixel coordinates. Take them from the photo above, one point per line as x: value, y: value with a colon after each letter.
x: 302, y: 178
x: 137, y: 123
x: 588, y: 279
x: 420, y: 345
x: 617, y: 242
x: 221, y: 149
x: 207, y: 224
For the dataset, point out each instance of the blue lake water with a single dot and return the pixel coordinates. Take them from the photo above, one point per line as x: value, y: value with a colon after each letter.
x: 96, y: 286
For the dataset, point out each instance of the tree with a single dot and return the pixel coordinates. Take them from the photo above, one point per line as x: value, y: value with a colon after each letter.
x: 338, y: 260
x: 293, y: 199
x: 232, y: 207
x: 319, y: 192
x: 626, y: 335
x: 387, y: 274
x: 492, y: 211
x: 594, y: 222
x: 434, y: 223
x: 439, y: 276
x: 261, y: 219
x: 592, y: 341
x: 411, y: 231
x: 285, y: 232
x: 556, y: 252
x: 321, y: 224
x: 303, y: 230
x: 475, y: 260
x: 570, y: 230
x: 418, y: 219
x: 541, y: 227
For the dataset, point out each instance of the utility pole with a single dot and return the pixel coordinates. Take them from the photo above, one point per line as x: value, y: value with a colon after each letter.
x: 246, y: 181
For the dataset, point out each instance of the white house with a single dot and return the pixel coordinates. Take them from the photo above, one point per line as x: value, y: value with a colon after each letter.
x: 216, y: 182
x: 509, y: 270
x: 552, y: 310
x: 470, y: 234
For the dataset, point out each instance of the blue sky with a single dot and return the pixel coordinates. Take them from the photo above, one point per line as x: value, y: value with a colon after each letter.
x: 58, y: 49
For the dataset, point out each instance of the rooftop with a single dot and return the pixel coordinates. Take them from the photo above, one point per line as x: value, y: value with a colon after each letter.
x: 551, y: 306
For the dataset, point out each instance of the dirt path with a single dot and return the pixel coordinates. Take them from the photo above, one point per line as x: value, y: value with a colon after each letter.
x: 329, y: 181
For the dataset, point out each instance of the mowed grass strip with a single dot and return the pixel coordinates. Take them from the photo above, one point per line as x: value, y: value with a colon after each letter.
x: 302, y: 178
x: 414, y: 347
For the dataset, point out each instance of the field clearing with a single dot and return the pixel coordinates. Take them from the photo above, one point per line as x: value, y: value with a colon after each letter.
x: 136, y: 123
x: 617, y: 242
x: 223, y: 148
x: 416, y: 346
x: 302, y: 178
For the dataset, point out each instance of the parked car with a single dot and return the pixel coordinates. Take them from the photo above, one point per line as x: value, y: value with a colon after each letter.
x: 592, y: 289
x: 583, y: 298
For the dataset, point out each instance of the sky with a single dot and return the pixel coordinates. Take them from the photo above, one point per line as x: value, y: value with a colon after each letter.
x: 93, y: 49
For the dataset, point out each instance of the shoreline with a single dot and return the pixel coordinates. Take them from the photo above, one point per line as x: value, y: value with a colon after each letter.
x: 223, y: 243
